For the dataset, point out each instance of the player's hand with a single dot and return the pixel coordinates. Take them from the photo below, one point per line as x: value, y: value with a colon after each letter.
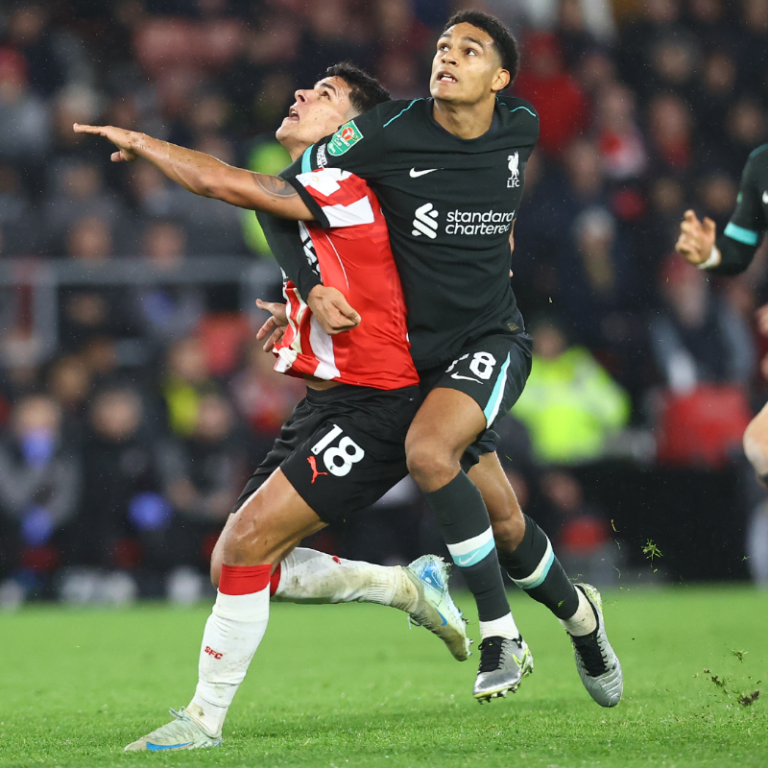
x: 122, y: 139
x: 332, y: 310
x: 696, y: 238
x: 274, y: 328
x: 761, y: 316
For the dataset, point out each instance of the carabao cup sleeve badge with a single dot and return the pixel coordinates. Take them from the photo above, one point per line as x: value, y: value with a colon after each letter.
x: 345, y: 138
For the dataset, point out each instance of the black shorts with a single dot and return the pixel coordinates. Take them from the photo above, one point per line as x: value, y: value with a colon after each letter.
x: 342, y: 448
x: 492, y: 371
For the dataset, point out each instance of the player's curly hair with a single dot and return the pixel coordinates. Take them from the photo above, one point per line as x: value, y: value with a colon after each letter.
x: 365, y: 91
x: 501, y: 36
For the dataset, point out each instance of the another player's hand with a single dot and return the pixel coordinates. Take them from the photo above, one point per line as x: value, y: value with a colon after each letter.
x: 274, y: 328
x: 696, y: 238
x: 332, y: 310
x: 761, y: 316
x: 122, y: 139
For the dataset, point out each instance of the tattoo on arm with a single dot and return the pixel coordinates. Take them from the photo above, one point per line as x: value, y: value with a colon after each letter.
x: 274, y: 186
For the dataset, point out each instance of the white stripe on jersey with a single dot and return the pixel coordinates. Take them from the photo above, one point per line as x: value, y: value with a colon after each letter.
x: 325, y: 181
x: 322, y: 348
x: 359, y: 212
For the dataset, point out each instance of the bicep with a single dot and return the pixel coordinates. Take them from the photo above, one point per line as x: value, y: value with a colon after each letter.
x: 259, y: 192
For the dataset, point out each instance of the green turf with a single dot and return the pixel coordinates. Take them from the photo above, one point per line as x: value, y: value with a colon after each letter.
x: 351, y: 686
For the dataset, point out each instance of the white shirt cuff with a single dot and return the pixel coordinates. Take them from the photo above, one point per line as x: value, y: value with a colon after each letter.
x: 714, y: 259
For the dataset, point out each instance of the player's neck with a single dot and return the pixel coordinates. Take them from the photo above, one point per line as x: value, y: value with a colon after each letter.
x: 467, y: 121
x: 296, y: 150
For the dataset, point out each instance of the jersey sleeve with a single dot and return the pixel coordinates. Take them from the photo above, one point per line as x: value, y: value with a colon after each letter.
x: 296, y: 261
x: 746, y: 227
x: 336, y: 198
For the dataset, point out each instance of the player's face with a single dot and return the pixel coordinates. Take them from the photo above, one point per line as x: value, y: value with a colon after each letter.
x: 317, y: 112
x: 466, y: 68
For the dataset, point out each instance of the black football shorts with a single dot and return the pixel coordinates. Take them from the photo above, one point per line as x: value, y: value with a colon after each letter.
x: 342, y: 448
x: 492, y: 370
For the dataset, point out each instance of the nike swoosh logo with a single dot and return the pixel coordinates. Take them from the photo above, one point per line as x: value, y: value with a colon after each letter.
x: 415, y: 174
x: 765, y: 197
x: 463, y: 560
x: 445, y: 621
x: 160, y: 747
x: 466, y: 378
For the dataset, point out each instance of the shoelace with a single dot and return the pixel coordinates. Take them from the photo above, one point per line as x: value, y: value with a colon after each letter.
x: 490, y: 653
x: 591, y: 655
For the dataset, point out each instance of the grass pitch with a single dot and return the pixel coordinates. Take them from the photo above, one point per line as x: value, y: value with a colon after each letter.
x: 347, y: 686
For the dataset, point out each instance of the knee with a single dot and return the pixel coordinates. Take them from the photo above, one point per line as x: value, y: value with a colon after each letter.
x: 756, y: 447
x: 215, y: 571
x: 430, y: 464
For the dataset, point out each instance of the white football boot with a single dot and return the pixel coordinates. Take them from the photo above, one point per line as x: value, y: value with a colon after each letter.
x: 599, y: 667
x: 435, y: 609
x: 181, y: 733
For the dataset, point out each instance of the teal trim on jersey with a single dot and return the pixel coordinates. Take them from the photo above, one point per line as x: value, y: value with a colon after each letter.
x: 529, y: 111
x: 306, y: 160
x: 757, y: 151
x: 544, y: 573
x: 746, y: 236
x: 494, y: 403
x: 392, y: 120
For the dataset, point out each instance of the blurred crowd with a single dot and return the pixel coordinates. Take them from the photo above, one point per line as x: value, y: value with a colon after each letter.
x: 115, y: 477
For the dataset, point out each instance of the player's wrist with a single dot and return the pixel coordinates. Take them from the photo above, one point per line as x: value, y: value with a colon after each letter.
x: 713, y: 260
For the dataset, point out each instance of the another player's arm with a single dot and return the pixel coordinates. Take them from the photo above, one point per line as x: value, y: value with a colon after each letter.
x: 732, y: 251
x: 205, y: 175
x: 328, y: 304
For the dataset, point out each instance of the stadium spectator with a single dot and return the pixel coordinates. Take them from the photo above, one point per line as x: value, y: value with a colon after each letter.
x: 570, y: 404
x: 123, y: 519
x: 24, y: 119
x: 697, y: 337
x: 583, y: 533
x: 39, y: 494
x: 202, y: 476
x: 557, y: 96
x: 166, y: 311
x: 185, y: 383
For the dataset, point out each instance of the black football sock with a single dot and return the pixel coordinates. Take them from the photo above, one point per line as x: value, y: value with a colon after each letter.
x: 466, y: 528
x: 534, y: 568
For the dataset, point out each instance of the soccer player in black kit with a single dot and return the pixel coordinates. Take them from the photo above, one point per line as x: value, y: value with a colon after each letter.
x: 448, y: 172
x: 730, y: 254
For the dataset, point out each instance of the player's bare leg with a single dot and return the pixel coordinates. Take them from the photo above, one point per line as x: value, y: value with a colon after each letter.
x: 526, y: 554
x: 446, y: 424
x: 756, y: 443
x: 306, y: 576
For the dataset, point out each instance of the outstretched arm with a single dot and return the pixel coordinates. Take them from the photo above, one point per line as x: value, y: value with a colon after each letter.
x: 205, y: 175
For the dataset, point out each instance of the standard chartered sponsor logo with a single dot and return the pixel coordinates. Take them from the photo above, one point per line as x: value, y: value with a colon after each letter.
x: 478, y: 222
x: 425, y: 222
x: 462, y: 222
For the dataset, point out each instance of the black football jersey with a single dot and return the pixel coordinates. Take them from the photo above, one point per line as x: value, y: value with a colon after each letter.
x: 450, y: 204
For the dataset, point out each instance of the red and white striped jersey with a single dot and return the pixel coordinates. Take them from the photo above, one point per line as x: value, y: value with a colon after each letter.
x: 353, y: 255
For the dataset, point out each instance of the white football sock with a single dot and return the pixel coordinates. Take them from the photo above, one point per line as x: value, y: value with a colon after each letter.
x: 503, y: 627
x: 583, y: 621
x: 232, y: 635
x: 309, y: 576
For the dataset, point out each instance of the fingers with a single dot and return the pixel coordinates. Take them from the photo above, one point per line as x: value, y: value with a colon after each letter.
x: 349, y: 314
x: 266, y: 329
x: 709, y: 226
x: 96, y: 130
x: 274, y: 339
